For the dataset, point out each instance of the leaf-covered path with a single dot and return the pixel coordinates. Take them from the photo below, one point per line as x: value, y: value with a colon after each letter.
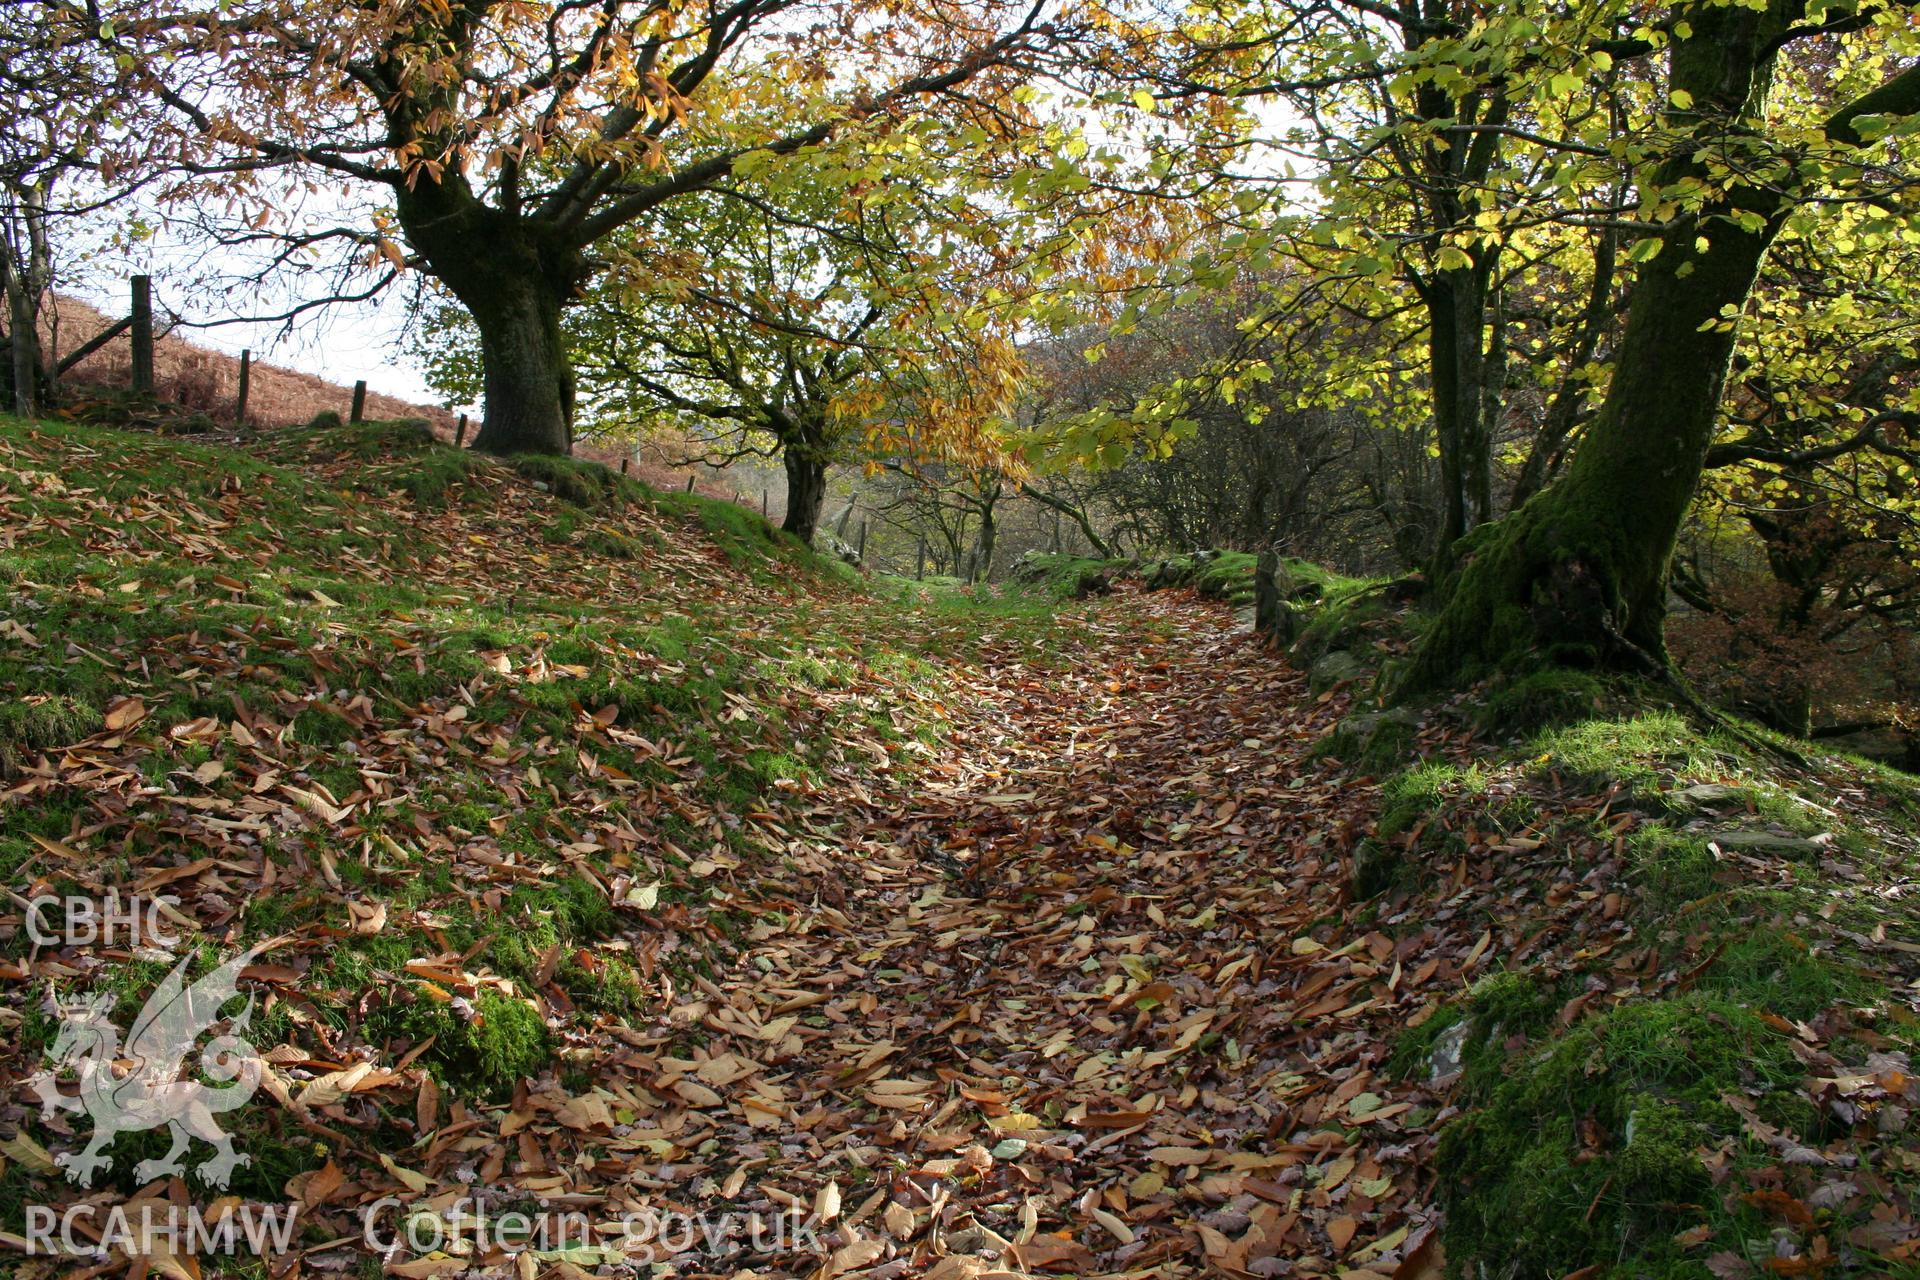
x: 617, y: 867
x: 1067, y: 1007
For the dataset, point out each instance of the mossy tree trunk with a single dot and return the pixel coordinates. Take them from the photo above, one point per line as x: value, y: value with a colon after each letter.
x: 515, y: 276
x: 23, y: 344
x: 1580, y: 573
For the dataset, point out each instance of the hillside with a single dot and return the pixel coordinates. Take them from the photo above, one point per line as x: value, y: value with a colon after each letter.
x: 608, y: 854
x: 198, y: 377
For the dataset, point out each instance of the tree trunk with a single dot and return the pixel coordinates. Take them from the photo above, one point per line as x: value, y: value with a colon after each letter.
x: 514, y: 276
x: 1457, y: 327
x: 1061, y: 506
x: 23, y: 341
x: 806, y: 489
x: 26, y: 274
x: 1456, y: 302
x: 981, y: 569
x: 983, y: 550
x: 1579, y: 575
x: 529, y: 378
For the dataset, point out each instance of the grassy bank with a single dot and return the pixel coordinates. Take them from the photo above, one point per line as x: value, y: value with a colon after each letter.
x: 1695, y: 1062
x: 498, y: 753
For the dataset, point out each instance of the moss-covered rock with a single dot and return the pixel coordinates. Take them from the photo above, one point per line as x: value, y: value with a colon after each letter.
x: 576, y: 480
x: 1376, y: 742
x: 1064, y: 577
x: 1376, y: 867
x: 1341, y: 622
x: 1335, y: 668
x: 1274, y: 590
x: 1590, y: 1152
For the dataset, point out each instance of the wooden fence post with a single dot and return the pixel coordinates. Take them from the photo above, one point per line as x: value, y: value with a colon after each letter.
x: 142, y: 318
x: 624, y: 464
x: 763, y: 504
x: 240, y: 397
x: 460, y: 433
x: 359, y: 402
x: 861, y: 551
x: 689, y: 484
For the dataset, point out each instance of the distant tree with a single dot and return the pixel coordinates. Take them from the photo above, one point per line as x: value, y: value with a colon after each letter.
x: 824, y: 329
x: 955, y: 510
x: 828, y: 327
x: 1301, y: 457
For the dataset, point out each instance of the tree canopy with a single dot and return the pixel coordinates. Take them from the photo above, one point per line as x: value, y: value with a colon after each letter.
x: 496, y: 146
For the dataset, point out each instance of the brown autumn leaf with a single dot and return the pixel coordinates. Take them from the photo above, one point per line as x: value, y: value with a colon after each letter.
x: 124, y: 713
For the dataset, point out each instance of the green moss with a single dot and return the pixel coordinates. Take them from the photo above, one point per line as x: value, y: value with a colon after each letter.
x: 1372, y: 743
x: 1330, y: 583
x: 1639, y: 751
x: 609, y: 985
x: 1060, y: 578
x: 1589, y: 1152
x: 1671, y: 867
x: 1501, y: 1010
x: 1526, y: 590
x: 431, y: 478
x: 1228, y: 576
x: 1343, y: 621
x: 1774, y: 968
x: 612, y: 544
x: 1423, y: 791
x: 28, y: 727
x: 1659, y: 1152
x: 1540, y: 700
x: 486, y: 1050
x: 576, y: 480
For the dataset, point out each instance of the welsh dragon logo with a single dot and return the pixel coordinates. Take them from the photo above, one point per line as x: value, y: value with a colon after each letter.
x: 140, y: 1086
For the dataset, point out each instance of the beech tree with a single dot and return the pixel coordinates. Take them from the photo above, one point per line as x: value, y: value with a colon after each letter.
x: 824, y: 328
x: 1447, y: 162
x: 830, y: 322
x: 509, y: 141
x: 1801, y: 558
x: 1581, y: 572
